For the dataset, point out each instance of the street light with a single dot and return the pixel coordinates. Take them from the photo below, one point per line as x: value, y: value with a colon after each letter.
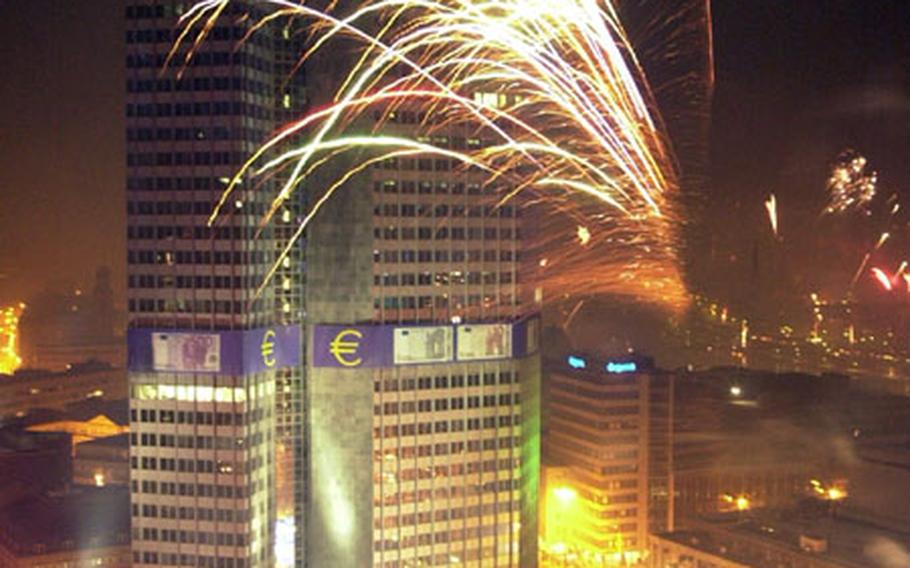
x: 565, y: 494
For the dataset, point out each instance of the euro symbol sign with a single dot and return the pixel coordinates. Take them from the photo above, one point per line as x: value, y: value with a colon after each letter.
x: 267, y: 348
x: 344, y: 350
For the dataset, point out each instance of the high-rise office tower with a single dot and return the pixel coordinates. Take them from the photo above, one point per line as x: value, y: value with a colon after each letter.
x: 214, y: 368
x: 422, y: 366
x: 607, y: 450
x: 419, y: 385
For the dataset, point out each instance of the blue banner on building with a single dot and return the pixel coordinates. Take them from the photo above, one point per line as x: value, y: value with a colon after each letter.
x: 238, y: 352
x: 353, y: 346
x: 368, y: 346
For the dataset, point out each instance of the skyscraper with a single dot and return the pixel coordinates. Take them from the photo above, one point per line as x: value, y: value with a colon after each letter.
x: 214, y: 368
x: 422, y: 367
x: 407, y: 432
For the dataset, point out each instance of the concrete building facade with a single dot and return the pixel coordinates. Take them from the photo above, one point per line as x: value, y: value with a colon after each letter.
x: 600, y: 437
x: 214, y: 365
x: 422, y: 367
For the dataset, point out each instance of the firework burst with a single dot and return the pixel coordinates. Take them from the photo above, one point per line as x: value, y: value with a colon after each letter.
x: 554, y: 92
x: 851, y: 186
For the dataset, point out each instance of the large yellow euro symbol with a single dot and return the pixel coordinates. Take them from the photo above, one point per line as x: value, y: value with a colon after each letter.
x: 341, y: 348
x: 267, y: 348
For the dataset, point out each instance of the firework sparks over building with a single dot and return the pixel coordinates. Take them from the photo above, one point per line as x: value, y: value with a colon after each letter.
x: 558, y: 107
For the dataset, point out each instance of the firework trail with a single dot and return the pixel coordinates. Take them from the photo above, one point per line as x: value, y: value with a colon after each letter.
x: 851, y: 186
x: 771, y: 206
x: 883, y: 279
x: 554, y: 91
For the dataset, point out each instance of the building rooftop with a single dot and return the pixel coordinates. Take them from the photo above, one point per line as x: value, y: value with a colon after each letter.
x: 116, y: 410
x: 850, y: 542
x: 120, y: 441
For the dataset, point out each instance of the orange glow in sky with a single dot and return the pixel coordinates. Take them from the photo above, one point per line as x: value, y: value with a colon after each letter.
x: 9, y: 339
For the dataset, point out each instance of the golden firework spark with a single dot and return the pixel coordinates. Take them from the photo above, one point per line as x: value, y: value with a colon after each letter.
x: 771, y: 206
x: 850, y: 186
x: 559, y: 104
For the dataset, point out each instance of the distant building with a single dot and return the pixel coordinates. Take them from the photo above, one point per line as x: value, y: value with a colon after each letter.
x: 101, y: 462
x: 85, y: 528
x: 642, y: 451
x: 61, y: 357
x: 789, y: 538
x: 878, y: 481
x: 64, y: 325
x: 39, y: 460
x: 84, y: 422
x: 28, y: 390
x: 599, y: 433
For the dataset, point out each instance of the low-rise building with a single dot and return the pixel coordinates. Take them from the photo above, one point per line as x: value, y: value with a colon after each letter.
x: 83, y: 528
x: 28, y: 390
x: 104, y: 461
x: 794, y: 538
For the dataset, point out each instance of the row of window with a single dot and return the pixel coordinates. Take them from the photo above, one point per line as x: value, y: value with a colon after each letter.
x: 151, y: 415
x: 446, y: 381
x: 170, y: 207
x: 160, y: 232
x: 604, y: 425
x: 193, y: 282
x: 194, y: 134
x: 425, y: 517
x: 205, y: 257
x: 200, y: 59
x: 152, y: 440
x: 150, y: 306
x: 215, y: 108
x: 470, y: 555
x: 424, y: 165
x: 443, y: 537
x: 446, y: 278
x: 443, y: 301
x: 154, y: 511
x: 150, y: 159
x: 452, y: 470
x: 451, y: 492
x: 173, y: 559
x: 410, y: 255
x: 151, y: 463
x: 442, y: 233
x: 147, y: 11
x: 451, y: 448
x: 148, y: 534
x: 442, y: 404
x: 152, y: 487
x: 438, y: 211
x: 445, y: 426
x: 593, y: 393
x: 607, y: 410
x: 167, y: 35
x: 427, y: 187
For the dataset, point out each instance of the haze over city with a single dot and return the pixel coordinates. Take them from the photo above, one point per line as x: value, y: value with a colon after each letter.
x: 484, y: 283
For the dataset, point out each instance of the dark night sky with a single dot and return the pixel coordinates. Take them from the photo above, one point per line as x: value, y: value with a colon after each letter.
x: 797, y: 81
x: 62, y: 210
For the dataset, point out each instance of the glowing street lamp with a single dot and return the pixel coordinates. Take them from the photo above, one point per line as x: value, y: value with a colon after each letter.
x: 565, y: 494
x: 743, y: 503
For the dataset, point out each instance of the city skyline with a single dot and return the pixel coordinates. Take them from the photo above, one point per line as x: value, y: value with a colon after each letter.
x: 484, y: 284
